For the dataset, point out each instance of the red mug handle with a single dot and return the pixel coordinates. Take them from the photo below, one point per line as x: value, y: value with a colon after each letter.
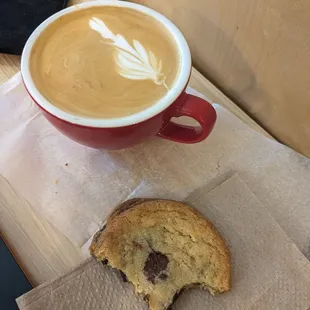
x: 200, y: 110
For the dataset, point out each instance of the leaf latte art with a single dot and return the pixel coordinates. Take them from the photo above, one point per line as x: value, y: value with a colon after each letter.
x: 133, y: 62
x: 105, y: 62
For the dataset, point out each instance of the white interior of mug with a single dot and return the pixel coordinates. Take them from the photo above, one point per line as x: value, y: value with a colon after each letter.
x: 178, y: 85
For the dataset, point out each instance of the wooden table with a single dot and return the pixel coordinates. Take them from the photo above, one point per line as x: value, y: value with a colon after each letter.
x: 41, y: 250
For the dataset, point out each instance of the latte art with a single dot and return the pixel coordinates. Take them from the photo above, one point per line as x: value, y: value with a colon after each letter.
x: 133, y: 62
x: 104, y: 62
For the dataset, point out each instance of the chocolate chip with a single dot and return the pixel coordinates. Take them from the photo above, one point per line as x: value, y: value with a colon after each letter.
x: 146, y: 298
x: 124, y: 277
x: 163, y: 276
x: 104, y: 262
x: 155, y: 264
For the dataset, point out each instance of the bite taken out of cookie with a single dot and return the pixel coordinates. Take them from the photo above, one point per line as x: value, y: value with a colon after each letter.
x: 163, y: 247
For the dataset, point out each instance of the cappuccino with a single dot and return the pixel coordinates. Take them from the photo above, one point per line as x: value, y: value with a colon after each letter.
x: 104, y: 62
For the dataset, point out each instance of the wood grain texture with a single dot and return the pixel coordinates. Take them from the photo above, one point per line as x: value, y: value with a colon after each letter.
x: 42, y: 251
x: 255, y: 51
x: 9, y: 66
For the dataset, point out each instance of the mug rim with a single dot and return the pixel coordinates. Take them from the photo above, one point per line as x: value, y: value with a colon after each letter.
x: 161, y: 105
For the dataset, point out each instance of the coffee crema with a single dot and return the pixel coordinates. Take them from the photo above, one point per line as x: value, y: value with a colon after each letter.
x: 104, y: 62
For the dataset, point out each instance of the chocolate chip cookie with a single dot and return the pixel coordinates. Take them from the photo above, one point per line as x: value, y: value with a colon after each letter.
x: 163, y: 247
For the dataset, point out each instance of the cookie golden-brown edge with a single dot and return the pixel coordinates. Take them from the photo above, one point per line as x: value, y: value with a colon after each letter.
x: 124, y: 210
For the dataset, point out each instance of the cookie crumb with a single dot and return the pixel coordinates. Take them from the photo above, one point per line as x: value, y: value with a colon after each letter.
x: 56, y: 181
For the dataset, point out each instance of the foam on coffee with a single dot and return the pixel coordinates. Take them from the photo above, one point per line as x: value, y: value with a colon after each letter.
x: 104, y: 62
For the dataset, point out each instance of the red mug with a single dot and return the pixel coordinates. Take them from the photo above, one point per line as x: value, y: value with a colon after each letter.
x: 118, y: 133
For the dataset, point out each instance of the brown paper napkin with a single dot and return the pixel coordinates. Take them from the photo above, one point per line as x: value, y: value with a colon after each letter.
x: 268, y: 270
